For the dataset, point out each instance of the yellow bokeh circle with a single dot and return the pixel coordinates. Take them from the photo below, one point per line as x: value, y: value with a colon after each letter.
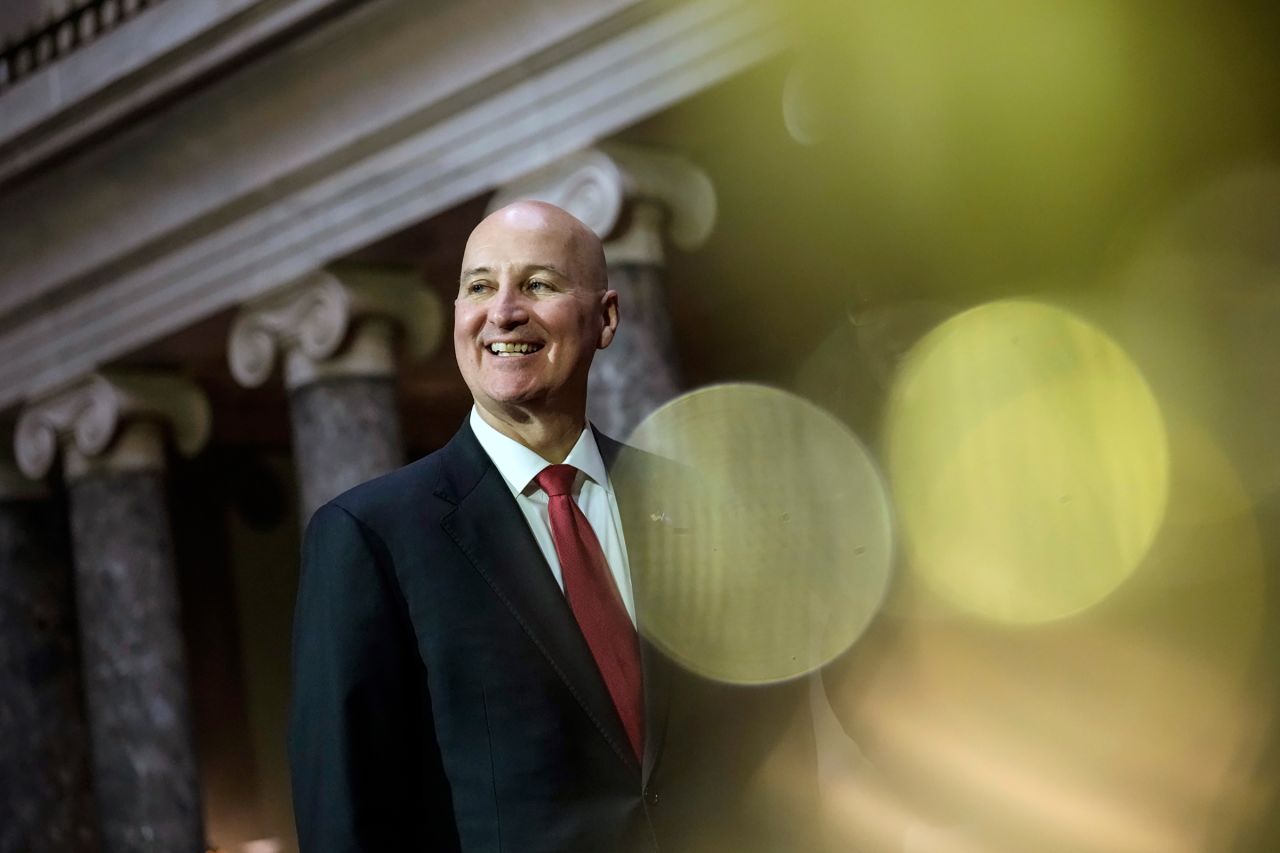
x: 758, y: 533
x: 1028, y: 461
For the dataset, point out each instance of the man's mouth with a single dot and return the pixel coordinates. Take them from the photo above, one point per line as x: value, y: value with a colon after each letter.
x: 507, y: 350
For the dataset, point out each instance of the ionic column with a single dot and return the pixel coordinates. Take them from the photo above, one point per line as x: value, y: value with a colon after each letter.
x: 336, y: 330
x: 631, y: 197
x: 112, y: 432
x: 45, y: 793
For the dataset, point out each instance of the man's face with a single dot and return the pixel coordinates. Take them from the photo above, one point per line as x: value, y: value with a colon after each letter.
x: 530, y: 312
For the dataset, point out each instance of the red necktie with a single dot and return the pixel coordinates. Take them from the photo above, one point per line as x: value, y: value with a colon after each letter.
x: 595, y: 602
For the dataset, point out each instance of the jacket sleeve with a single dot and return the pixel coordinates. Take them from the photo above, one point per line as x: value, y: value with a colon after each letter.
x: 362, y: 748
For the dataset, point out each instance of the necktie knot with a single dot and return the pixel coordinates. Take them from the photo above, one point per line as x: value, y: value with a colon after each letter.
x: 556, y: 480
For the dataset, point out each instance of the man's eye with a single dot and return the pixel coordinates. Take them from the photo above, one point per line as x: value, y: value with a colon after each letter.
x: 539, y: 284
x: 476, y: 287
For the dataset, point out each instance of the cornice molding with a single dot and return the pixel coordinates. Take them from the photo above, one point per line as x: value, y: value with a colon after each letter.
x: 132, y: 67
x: 244, y: 187
x: 313, y: 321
x: 87, y: 416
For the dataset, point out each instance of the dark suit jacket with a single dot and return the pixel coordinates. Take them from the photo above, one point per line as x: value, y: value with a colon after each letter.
x: 444, y: 699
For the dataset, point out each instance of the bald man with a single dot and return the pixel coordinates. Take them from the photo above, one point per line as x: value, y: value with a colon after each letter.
x: 445, y: 696
x: 467, y: 671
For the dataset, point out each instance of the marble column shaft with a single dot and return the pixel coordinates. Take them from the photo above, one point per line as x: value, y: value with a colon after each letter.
x: 337, y: 332
x: 45, y: 794
x: 135, y: 679
x: 346, y: 429
x: 638, y: 372
x: 111, y: 430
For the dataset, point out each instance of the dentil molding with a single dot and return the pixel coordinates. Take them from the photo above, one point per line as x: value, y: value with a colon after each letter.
x: 85, y: 418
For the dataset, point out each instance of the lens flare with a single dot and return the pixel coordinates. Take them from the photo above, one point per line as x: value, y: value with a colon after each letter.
x: 1028, y: 461
x: 763, y: 550
x: 1198, y: 306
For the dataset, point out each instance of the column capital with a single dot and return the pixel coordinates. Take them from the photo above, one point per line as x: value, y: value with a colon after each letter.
x: 86, y: 419
x: 334, y: 322
x: 597, y: 184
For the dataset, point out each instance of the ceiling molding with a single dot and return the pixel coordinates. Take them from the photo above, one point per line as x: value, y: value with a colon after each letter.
x: 167, y: 46
x: 382, y: 119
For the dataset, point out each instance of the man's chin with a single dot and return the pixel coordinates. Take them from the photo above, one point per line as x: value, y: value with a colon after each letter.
x: 520, y: 405
x: 528, y: 404
x: 514, y: 396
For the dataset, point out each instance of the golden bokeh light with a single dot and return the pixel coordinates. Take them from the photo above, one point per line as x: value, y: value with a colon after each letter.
x: 1077, y: 737
x: 997, y: 139
x: 1202, y: 588
x: 763, y: 549
x: 1137, y: 726
x: 1198, y: 305
x: 1028, y: 462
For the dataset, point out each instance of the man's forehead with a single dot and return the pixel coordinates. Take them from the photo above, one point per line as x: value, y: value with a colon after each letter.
x: 518, y: 247
x: 513, y: 266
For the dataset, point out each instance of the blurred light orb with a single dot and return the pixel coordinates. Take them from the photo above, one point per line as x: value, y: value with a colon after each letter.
x: 1203, y: 587
x: 1028, y: 461
x: 1198, y: 308
x: 801, y: 106
x: 763, y: 549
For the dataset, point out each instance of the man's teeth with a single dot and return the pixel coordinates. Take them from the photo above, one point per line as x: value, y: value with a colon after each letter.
x: 513, y: 349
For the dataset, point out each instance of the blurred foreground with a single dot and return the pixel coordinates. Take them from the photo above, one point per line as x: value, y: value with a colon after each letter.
x: 1054, y: 232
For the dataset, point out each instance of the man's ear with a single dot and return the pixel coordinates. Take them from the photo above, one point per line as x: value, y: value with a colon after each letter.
x: 609, y: 309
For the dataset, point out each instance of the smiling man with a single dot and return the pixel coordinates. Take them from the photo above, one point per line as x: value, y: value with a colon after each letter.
x: 467, y: 672
x: 533, y: 306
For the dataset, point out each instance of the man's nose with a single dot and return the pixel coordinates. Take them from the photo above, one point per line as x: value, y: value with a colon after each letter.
x: 508, y: 309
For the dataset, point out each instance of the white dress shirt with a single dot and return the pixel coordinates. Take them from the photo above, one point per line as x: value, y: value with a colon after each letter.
x: 518, y: 466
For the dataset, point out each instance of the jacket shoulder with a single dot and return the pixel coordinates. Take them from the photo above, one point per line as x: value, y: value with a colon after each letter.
x: 386, y: 497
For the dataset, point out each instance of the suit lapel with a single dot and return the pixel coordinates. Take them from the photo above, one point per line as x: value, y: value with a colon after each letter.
x: 489, y: 528
x: 656, y: 667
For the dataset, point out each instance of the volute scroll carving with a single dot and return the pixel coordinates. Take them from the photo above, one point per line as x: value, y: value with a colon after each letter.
x: 310, y: 324
x: 312, y: 315
x: 86, y: 416
x: 597, y: 186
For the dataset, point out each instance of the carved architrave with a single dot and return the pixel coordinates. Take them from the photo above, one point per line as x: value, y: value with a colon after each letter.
x: 597, y: 184
x: 316, y: 325
x: 437, y: 103
x: 86, y: 417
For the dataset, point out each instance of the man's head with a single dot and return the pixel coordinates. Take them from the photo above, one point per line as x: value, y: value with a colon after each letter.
x: 533, y: 306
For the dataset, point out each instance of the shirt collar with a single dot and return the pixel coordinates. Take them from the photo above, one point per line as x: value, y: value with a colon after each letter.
x: 518, y: 465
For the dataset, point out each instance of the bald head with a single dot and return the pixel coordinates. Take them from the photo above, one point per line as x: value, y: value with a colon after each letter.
x: 533, y: 307
x: 552, y: 224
